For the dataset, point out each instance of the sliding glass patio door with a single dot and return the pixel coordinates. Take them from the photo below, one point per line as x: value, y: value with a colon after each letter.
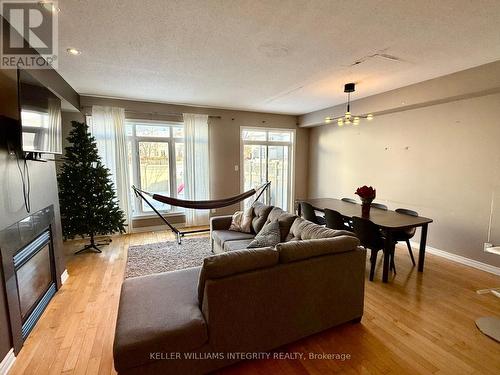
x: 267, y: 155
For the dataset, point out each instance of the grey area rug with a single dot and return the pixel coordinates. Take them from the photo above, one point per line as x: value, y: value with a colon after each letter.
x: 166, y: 256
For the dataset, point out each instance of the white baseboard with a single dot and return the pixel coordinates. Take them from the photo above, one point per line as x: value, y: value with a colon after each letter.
x: 64, y: 276
x: 7, y: 362
x: 459, y: 259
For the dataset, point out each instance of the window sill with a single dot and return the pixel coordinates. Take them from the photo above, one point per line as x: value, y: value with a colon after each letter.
x: 153, y: 216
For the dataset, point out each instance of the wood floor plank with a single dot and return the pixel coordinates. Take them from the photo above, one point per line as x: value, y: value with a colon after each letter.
x: 416, y: 324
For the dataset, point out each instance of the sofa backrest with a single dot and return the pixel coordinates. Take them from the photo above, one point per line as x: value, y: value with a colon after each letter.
x: 305, y: 230
x: 264, y: 309
x: 293, y: 251
x: 285, y: 220
x: 260, y: 214
x: 235, y: 262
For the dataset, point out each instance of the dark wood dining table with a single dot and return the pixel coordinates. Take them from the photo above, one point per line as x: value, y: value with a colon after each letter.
x: 388, y: 221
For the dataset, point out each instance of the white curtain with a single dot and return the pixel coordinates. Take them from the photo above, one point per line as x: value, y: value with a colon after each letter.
x: 54, y: 131
x: 108, y: 129
x: 196, y: 165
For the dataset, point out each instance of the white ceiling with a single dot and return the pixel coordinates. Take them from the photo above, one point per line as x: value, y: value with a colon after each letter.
x: 284, y: 56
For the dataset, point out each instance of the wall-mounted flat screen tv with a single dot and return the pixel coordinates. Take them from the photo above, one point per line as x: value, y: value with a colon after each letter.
x: 40, y: 116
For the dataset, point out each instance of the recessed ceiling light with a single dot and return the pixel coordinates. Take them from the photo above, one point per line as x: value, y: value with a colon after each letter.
x: 50, y: 6
x: 73, y: 51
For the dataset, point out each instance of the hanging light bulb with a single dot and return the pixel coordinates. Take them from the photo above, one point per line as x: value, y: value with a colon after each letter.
x: 348, y: 118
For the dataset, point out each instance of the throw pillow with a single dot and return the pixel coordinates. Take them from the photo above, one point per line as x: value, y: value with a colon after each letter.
x: 242, y: 221
x: 269, y: 236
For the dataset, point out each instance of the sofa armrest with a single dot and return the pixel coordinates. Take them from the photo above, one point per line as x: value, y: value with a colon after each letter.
x: 220, y: 222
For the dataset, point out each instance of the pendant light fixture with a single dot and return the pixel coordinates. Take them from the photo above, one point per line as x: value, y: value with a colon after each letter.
x: 348, y: 117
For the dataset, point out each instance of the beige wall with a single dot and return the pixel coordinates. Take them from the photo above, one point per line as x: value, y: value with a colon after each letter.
x: 441, y: 160
x: 225, y: 151
x: 224, y: 140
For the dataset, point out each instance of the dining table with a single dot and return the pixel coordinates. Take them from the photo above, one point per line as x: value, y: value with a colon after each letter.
x: 388, y: 221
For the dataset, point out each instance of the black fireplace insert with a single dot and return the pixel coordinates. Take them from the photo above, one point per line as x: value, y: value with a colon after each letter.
x: 29, y: 270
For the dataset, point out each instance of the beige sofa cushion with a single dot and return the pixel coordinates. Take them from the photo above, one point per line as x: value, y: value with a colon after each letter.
x: 234, y: 262
x: 222, y: 236
x: 305, y: 230
x: 284, y: 219
x: 236, y: 245
x: 298, y: 250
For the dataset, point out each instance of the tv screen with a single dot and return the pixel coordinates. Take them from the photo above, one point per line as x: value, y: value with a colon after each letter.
x: 40, y: 116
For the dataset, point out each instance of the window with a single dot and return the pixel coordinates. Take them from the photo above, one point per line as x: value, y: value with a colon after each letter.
x: 35, y: 128
x: 156, y: 161
x: 267, y: 155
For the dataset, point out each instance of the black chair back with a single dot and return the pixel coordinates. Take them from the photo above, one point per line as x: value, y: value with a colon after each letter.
x: 334, y: 220
x: 406, y: 211
x: 380, y: 206
x: 349, y: 200
x: 308, y: 212
x: 368, y: 233
x: 406, y: 234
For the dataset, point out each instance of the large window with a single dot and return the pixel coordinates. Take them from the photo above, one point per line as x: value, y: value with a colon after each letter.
x: 156, y: 161
x: 267, y: 155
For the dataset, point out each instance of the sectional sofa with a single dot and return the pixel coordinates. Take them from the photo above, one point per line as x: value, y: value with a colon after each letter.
x: 292, y: 228
x: 197, y: 320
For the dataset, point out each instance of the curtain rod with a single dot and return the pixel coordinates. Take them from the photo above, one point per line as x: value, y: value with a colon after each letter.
x: 89, y: 109
x: 164, y: 114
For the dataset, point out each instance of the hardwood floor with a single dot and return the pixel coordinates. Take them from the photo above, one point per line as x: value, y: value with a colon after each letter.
x: 416, y: 324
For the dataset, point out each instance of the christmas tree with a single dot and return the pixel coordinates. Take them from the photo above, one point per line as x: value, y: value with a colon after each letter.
x: 86, y: 195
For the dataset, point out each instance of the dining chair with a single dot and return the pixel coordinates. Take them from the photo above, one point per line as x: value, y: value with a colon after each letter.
x: 309, y: 213
x: 335, y: 220
x: 380, y: 206
x: 370, y: 237
x: 349, y: 200
x: 406, y: 234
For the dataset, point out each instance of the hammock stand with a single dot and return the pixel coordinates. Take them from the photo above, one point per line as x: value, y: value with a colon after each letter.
x: 206, y: 204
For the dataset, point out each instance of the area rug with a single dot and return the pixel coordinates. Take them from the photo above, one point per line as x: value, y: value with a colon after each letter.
x: 166, y: 256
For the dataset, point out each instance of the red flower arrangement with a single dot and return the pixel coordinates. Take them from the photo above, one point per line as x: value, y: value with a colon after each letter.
x: 366, y: 192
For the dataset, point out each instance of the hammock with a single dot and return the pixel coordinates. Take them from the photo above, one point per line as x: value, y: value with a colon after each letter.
x: 199, y: 205
x: 204, y: 205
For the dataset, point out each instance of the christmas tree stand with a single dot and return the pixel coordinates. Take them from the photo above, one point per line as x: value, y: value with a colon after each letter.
x: 93, y: 245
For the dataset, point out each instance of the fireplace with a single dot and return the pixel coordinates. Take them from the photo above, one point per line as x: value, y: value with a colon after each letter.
x: 29, y: 271
x: 35, y: 280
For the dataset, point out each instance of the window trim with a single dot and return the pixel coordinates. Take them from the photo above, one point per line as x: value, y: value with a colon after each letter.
x: 267, y: 143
